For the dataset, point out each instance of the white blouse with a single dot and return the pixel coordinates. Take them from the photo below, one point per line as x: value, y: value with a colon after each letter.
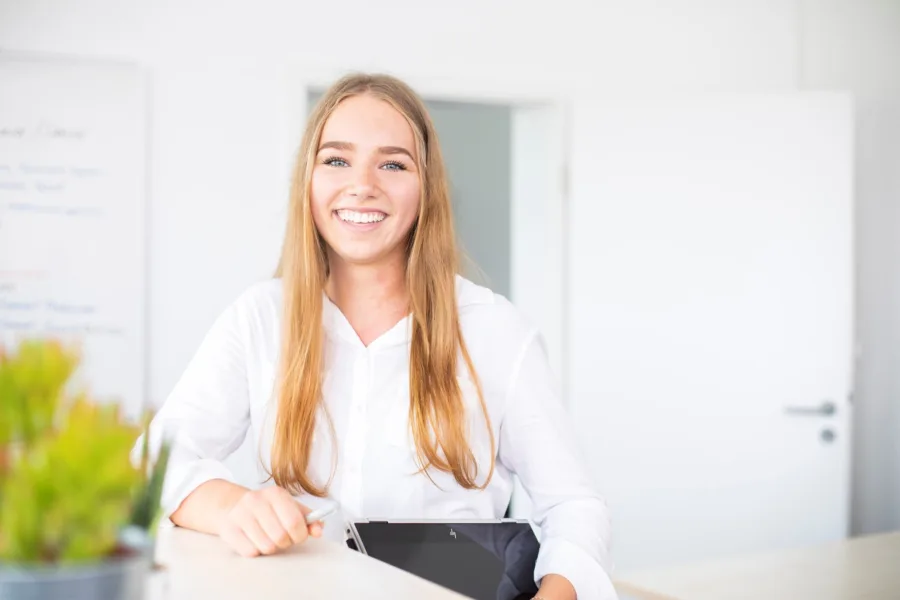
x: 228, y: 390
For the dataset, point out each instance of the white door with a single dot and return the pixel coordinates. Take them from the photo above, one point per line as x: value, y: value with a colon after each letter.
x: 710, y: 320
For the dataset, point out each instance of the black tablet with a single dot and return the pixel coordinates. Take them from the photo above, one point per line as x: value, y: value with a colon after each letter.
x: 485, y: 560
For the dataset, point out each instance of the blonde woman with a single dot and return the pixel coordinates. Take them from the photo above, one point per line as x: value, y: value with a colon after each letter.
x: 369, y: 372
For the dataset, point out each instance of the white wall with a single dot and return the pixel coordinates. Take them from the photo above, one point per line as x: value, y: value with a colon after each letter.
x: 216, y: 199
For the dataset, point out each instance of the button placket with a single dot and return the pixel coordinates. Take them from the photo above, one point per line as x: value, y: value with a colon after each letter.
x: 355, y: 442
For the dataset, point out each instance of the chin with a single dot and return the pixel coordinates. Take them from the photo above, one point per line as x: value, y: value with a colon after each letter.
x: 361, y: 257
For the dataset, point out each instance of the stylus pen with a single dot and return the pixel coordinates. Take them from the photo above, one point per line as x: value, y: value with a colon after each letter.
x: 320, y: 513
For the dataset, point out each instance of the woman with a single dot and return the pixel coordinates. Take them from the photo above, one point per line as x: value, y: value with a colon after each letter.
x: 370, y: 372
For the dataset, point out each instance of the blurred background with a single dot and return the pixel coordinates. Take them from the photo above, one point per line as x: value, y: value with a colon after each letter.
x: 697, y: 201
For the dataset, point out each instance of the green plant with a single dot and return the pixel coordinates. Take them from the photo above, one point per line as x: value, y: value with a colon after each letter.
x: 68, y: 486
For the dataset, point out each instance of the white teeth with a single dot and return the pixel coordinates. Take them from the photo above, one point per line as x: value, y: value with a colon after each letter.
x: 351, y: 216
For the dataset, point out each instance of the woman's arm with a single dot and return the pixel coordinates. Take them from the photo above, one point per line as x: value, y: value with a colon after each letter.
x: 206, y: 418
x: 537, y: 443
x: 207, y: 507
x: 251, y: 522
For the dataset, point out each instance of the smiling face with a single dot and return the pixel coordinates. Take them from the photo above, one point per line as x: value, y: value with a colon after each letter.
x: 365, y: 185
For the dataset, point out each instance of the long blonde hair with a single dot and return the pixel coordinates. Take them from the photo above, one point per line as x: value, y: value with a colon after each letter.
x: 436, y: 404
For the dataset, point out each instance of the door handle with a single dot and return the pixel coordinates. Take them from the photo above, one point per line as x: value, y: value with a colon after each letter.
x: 826, y: 409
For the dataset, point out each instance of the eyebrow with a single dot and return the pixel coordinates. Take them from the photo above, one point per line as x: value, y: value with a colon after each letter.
x: 347, y: 147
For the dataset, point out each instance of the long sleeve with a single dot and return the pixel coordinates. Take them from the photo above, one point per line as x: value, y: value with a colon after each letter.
x: 536, y: 442
x: 207, y: 414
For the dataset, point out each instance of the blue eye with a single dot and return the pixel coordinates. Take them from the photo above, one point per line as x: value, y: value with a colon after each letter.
x: 393, y: 165
x: 335, y: 162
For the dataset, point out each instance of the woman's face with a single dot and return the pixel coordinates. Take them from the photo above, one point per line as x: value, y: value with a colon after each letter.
x: 365, y: 184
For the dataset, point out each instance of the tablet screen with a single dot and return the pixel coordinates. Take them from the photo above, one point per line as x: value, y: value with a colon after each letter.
x: 485, y: 561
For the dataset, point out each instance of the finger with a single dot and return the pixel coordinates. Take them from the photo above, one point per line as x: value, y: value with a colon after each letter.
x: 271, y: 525
x: 235, y: 539
x: 291, y: 515
x: 255, y: 533
x: 315, y: 529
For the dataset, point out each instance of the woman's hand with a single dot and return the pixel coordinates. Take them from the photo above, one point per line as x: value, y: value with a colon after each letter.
x: 266, y: 521
x: 555, y: 587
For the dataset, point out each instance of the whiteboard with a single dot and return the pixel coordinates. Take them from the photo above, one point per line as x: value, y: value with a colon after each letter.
x: 72, y: 208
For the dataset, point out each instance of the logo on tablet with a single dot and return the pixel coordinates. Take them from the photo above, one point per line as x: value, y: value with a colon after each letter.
x: 453, y: 533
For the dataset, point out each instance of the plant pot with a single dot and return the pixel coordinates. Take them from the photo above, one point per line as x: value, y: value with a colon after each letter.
x: 123, y: 577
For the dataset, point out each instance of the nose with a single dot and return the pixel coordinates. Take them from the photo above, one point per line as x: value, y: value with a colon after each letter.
x: 362, y: 186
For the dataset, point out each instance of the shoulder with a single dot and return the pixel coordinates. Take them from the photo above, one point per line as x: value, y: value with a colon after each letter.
x: 261, y: 296
x: 256, y: 312
x: 489, y: 319
x: 497, y: 335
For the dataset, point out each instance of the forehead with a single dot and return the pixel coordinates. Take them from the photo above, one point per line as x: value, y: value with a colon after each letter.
x: 366, y: 121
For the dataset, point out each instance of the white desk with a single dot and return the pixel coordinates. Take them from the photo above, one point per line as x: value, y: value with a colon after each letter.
x: 866, y: 568
x: 200, y: 566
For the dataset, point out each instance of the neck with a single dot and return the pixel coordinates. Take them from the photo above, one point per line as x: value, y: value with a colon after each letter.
x: 373, y: 298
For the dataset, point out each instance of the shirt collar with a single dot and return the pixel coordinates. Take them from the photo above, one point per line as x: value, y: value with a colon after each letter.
x: 336, y: 323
